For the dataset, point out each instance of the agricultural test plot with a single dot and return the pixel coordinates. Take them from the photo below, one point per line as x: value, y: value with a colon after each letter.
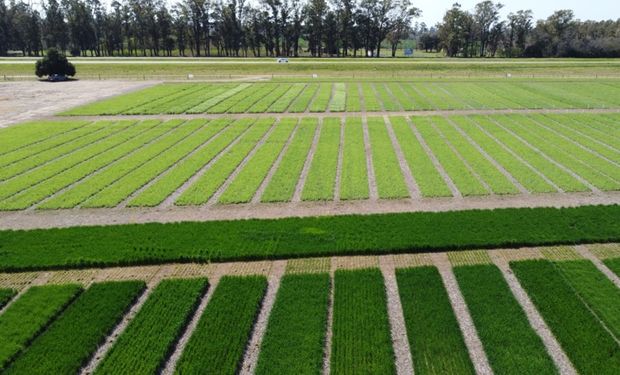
x: 271, y: 97
x: 569, y: 293
x: 94, y: 164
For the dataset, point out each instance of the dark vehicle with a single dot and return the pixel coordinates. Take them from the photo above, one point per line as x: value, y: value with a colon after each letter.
x: 57, y: 78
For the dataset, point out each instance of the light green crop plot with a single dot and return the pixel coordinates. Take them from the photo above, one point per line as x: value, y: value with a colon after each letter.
x: 389, y: 176
x: 322, y: 175
x: 354, y: 181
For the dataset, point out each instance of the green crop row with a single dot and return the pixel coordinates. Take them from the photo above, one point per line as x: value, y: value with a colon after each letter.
x: 414, y: 98
x: 339, y: 98
x: 303, y: 100
x: 255, y: 97
x: 435, y: 339
x: 221, y: 336
x: 267, y: 101
x: 5, y: 296
x: 208, y: 92
x: 354, y: 178
x: 284, y: 101
x: 429, y: 180
x: 371, y: 103
x: 361, y: 341
x: 204, y: 188
x: 389, y: 102
x: 591, y: 349
x: 299, y: 237
x: 30, y: 134
x: 353, y: 101
x: 389, y: 176
x: 155, y: 106
x: 214, y: 100
x: 322, y: 175
x: 240, y: 96
x: 73, y: 338
x: 284, y: 181
x: 247, y: 182
x: 29, y: 315
x: 152, y: 334
x: 509, y: 341
x: 322, y: 98
x: 293, y: 342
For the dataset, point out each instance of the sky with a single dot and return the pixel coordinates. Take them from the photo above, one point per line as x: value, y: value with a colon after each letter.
x: 433, y: 10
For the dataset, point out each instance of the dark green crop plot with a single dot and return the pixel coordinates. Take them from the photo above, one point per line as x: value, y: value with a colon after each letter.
x: 313, y: 236
x: 435, y: 339
x: 509, y: 341
x: 613, y: 264
x: 597, y: 291
x: 361, y: 340
x: 5, y: 296
x: 151, y: 335
x: 293, y: 343
x: 591, y: 349
x: 29, y: 315
x: 219, y: 341
x: 71, y: 340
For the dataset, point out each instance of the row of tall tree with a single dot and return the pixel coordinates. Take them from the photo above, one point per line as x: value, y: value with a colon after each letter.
x: 291, y: 28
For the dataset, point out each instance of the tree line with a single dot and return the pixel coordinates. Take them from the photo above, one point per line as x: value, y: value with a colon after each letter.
x: 292, y: 28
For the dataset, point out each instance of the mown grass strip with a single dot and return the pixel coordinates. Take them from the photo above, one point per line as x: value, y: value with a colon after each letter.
x: 598, y: 292
x: 219, y: 341
x: 203, y: 189
x: 389, y: 176
x: 281, y: 188
x: 321, y: 179
x: 175, y: 178
x: 6, y: 295
x: 435, y: 339
x: 71, y: 339
x: 590, y: 347
x: 354, y: 180
x: 361, y: 341
x: 151, y: 335
x: 295, y: 335
x: 247, y: 182
x: 509, y: 341
x: 300, y: 237
x: 29, y: 315
x: 422, y: 168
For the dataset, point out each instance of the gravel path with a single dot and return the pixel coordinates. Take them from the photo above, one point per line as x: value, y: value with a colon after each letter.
x: 470, y: 335
x: 536, y: 321
x: 373, y: 193
x: 252, y: 351
x: 412, y: 186
x: 171, y: 364
x: 120, y: 327
x: 329, y: 331
x: 400, y: 342
x: 584, y: 252
x: 107, y: 216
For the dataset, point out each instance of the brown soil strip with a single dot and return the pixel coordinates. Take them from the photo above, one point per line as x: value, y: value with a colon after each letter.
x: 554, y: 349
x: 470, y: 335
x: 462, y: 159
x: 569, y: 140
x: 263, y: 186
x: 299, y: 188
x: 338, y: 182
x: 446, y: 177
x: 235, y: 116
x: 586, y: 253
x: 103, y: 168
x: 109, y: 216
x: 252, y: 351
x: 169, y: 201
x: 549, y: 159
x: 400, y: 342
x: 329, y: 331
x: 120, y: 327
x: 126, y: 201
x: 496, y: 164
x: 517, y: 156
x: 216, y: 196
x: 412, y: 186
x: 171, y: 364
x: 373, y: 192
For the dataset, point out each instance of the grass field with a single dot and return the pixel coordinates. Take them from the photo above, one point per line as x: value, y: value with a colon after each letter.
x: 297, y: 334
x: 378, y: 96
x: 142, y: 163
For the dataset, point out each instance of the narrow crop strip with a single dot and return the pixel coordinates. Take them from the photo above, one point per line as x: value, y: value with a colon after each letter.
x: 436, y: 342
x: 70, y: 340
x: 589, y: 346
x: 219, y: 341
x: 5, y: 296
x: 361, y: 332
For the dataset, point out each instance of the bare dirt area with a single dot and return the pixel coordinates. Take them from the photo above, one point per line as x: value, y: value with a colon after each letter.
x: 29, y: 100
x: 33, y: 219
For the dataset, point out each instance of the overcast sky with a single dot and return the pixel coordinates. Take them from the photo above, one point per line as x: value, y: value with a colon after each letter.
x: 433, y: 10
